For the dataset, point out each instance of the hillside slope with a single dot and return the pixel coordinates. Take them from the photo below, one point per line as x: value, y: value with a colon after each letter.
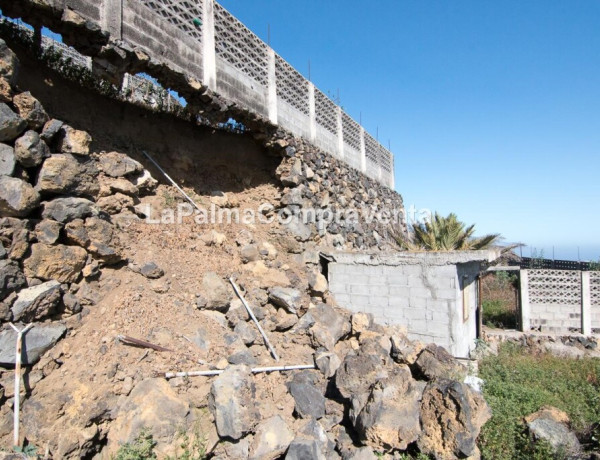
x: 93, y: 253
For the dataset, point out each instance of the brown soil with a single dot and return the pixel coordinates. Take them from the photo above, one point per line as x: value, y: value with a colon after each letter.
x: 97, y: 367
x: 90, y: 372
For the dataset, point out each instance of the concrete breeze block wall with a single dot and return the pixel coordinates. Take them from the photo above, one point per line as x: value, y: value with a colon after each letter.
x: 313, y: 180
x: 556, y: 318
x: 143, y: 28
x: 397, y: 295
x: 560, y: 301
x: 204, y: 41
x: 433, y: 295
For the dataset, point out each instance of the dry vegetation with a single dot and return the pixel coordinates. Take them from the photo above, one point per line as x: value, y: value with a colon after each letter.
x: 500, y: 299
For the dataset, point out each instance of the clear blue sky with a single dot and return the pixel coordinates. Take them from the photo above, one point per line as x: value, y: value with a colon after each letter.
x: 492, y: 108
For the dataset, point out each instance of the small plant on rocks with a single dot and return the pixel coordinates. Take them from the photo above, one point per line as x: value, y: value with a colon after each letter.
x: 193, y: 446
x: 141, y: 448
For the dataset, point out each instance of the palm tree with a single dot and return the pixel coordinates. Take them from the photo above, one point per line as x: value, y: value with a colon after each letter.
x: 445, y: 234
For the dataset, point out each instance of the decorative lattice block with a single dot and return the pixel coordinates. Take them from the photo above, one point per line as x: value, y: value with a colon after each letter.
x: 558, y: 287
x: 184, y: 14
x: 595, y: 289
x: 237, y: 45
x: 351, y: 130
x: 292, y: 87
x: 371, y: 148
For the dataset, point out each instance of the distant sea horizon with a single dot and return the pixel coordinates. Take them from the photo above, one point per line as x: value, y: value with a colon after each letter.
x: 583, y: 253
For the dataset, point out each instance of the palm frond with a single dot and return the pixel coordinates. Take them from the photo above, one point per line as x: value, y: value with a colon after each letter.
x: 444, y: 234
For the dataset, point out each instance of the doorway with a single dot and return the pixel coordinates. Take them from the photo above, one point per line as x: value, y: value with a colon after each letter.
x: 499, y: 292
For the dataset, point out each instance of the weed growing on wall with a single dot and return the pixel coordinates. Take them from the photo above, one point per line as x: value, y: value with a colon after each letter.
x: 154, y: 97
x: 595, y: 266
x: 537, y: 259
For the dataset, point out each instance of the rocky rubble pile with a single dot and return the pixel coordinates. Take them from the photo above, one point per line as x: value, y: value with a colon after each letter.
x: 371, y: 391
x: 56, y: 202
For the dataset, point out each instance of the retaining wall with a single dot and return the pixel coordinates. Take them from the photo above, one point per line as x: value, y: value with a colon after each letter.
x: 204, y: 43
x: 312, y: 180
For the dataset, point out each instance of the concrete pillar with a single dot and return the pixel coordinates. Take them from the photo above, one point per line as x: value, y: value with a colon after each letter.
x: 312, y: 114
x: 272, y: 87
x: 392, y: 183
x: 209, y: 59
x: 340, y: 133
x: 363, y: 151
x: 113, y: 18
x: 586, y: 304
x: 525, y: 307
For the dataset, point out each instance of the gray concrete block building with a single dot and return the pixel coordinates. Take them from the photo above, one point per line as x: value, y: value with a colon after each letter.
x: 435, y: 295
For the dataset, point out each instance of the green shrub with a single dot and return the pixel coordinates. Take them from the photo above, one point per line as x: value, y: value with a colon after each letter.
x: 27, y: 451
x: 193, y: 446
x: 141, y: 448
x: 498, y: 313
x: 518, y: 383
x: 499, y: 299
x: 418, y: 456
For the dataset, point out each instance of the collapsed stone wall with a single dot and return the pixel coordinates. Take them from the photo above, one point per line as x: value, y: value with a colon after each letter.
x: 56, y: 198
x: 330, y: 201
x: 113, y: 57
x: 372, y: 389
x: 248, y: 73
